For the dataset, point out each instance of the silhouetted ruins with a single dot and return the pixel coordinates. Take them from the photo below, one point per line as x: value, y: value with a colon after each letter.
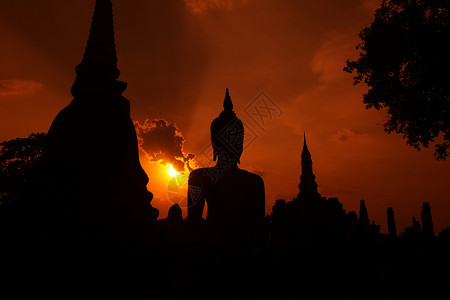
x: 427, y: 221
x: 312, y: 218
x: 392, y: 229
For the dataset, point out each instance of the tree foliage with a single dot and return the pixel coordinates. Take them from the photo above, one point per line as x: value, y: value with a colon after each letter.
x: 18, y: 158
x: 405, y: 61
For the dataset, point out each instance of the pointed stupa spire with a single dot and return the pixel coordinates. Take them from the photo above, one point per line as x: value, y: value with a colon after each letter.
x: 97, y: 72
x: 305, y: 151
x: 307, y: 185
x: 363, y: 215
x: 227, y: 104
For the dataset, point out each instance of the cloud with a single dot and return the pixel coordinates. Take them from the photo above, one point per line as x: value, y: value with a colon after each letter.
x: 162, y: 142
x: 345, y: 134
x: 330, y: 58
x: 203, y: 6
x: 19, y: 87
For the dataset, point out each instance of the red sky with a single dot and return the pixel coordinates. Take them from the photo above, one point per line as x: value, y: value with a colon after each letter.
x: 178, y: 57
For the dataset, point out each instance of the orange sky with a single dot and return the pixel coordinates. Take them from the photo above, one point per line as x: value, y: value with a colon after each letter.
x: 178, y: 57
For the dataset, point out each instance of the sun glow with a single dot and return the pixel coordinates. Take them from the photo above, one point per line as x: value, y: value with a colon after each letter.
x: 171, y: 171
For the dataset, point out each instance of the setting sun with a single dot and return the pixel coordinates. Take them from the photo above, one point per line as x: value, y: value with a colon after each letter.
x: 171, y: 171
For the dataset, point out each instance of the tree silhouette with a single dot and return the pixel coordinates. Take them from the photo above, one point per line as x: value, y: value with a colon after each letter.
x: 18, y: 158
x: 405, y: 62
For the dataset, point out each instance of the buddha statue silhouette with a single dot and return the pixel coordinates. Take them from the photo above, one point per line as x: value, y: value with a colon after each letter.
x: 235, y: 198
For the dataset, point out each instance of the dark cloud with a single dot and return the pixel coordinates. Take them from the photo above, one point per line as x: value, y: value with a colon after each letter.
x: 162, y: 142
x: 19, y: 87
x: 344, y: 134
x: 203, y: 6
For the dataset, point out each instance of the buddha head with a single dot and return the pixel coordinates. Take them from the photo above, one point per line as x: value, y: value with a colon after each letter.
x: 227, y: 134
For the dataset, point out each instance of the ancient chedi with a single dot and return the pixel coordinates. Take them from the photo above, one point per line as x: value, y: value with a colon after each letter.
x: 312, y: 218
x: 307, y: 185
x: 91, y: 161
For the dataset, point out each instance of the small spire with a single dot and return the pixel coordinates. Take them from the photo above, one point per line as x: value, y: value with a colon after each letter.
x: 305, y: 146
x: 363, y: 215
x: 227, y: 104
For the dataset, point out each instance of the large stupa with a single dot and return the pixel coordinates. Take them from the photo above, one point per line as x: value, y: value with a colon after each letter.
x: 91, y: 161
